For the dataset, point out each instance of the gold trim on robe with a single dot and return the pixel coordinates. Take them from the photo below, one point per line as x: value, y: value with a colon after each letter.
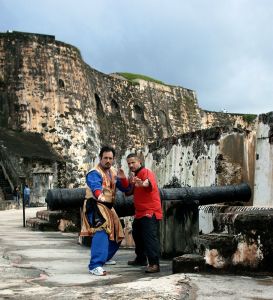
x: 112, y: 225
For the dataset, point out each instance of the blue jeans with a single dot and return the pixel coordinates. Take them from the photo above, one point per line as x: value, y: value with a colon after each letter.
x: 26, y: 200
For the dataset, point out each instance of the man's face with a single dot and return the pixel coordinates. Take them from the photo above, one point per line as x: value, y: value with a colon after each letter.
x: 133, y: 163
x: 107, y: 160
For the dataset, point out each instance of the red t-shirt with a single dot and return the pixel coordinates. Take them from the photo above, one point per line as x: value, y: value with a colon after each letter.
x: 147, y: 199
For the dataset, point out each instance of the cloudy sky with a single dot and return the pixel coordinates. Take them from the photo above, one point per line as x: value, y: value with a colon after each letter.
x: 222, y: 49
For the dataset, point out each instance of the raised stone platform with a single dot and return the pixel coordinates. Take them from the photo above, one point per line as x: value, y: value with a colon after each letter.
x: 188, y: 263
x: 237, y: 239
x: 40, y: 225
x: 47, y: 220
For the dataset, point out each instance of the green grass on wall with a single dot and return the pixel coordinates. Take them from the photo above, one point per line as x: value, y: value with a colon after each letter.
x: 131, y: 77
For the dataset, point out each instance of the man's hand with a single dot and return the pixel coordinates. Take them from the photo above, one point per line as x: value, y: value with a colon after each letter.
x: 101, y: 198
x: 146, y: 183
x: 121, y: 173
x: 139, y: 183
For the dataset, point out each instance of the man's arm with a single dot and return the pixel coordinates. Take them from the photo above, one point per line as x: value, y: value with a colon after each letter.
x: 147, y: 180
x: 123, y: 183
x: 94, y: 182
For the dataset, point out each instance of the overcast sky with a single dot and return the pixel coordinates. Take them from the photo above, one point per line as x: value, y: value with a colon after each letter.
x: 222, y: 49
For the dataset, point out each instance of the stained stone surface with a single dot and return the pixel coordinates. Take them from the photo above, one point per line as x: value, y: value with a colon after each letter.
x: 47, y: 88
x: 51, y: 265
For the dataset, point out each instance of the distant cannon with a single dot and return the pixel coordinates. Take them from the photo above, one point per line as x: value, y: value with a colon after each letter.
x: 63, y: 199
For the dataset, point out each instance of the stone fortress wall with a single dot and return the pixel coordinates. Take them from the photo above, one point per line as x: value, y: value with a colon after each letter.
x: 47, y: 88
x: 56, y: 112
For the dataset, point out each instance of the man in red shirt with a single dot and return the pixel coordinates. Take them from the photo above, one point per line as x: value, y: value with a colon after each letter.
x: 148, y: 212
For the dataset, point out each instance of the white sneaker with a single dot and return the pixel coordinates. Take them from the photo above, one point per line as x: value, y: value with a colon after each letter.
x: 98, y: 271
x: 110, y: 262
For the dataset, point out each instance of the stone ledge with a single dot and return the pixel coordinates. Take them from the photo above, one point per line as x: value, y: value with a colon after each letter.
x: 51, y: 216
x: 40, y: 225
x: 188, y: 263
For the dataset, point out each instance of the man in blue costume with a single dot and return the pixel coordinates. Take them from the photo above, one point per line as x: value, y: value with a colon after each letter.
x: 99, y: 218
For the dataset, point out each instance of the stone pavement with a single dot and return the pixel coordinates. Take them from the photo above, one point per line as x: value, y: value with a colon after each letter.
x: 52, y: 265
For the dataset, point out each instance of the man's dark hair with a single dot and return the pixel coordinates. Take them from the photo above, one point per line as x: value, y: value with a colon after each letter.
x: 107, y: 149
x: 132, y: 155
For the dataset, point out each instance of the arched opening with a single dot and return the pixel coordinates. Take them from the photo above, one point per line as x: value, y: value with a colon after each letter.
x: 162, y: 118
x: 61, y: 84
x: 164, y: 124
x: 138, y: 113
x: 114, y: 106
x: 99, y: 107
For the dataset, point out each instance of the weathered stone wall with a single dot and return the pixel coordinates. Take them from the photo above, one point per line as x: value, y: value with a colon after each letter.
x: 216, y: 119
x: 216, y: 156
x: 26, y: 158
x: 46, y: 87
x: 131, y: 115
x: 39, y: 175
x: 263, y: 190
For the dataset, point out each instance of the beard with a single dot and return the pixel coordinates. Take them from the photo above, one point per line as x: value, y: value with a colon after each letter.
x: 107, y: 166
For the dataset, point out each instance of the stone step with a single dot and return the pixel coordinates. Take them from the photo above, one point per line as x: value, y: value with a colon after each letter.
x: 40, y: 225
x: 222, y: 243
x: 52, y: 216
x: 243, y: 253
x: 213, y: 254
x: 188, y: 263
x: 54, y: 220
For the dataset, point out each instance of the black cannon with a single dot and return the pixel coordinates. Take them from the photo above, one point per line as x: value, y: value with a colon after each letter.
x: 62, y: 199
x: 180, y: 224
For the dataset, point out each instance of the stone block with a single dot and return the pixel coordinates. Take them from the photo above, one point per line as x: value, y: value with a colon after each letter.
x: 37, y: 224
x: 188, y: 263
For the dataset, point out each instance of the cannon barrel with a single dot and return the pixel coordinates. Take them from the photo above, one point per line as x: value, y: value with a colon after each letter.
x: 209, y: 195
x: 73, y: 198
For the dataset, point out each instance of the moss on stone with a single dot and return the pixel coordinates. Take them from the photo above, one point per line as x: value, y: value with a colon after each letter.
x: 131, y: 77
x: 249, y: 118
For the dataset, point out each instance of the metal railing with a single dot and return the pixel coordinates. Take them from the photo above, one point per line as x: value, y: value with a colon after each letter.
x: 10, y: 172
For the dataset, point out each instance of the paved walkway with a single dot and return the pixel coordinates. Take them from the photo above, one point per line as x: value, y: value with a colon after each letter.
x: 51, y: 265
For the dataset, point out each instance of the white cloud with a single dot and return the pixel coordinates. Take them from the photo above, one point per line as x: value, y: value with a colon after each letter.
x: 222, y: 49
